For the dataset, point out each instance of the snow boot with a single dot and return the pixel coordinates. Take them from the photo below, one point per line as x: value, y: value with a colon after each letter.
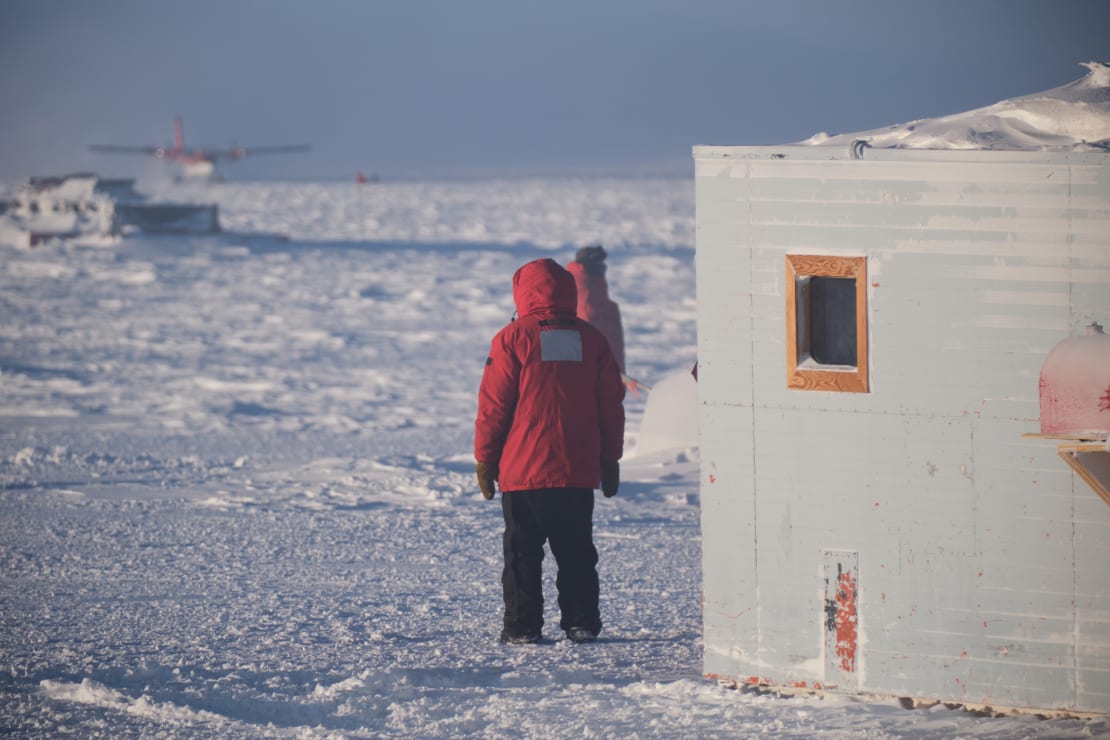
x: 526, y: 638
x: 581, y: 635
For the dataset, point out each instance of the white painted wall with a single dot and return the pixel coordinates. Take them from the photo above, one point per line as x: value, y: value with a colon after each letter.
x: 983, y: 563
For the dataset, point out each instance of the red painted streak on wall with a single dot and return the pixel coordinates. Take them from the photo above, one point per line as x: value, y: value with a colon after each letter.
x: 846, y: 619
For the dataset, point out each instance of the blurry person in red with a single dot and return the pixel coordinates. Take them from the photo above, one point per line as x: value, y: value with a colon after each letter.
x: 550, y: 429
x: 594, y: 304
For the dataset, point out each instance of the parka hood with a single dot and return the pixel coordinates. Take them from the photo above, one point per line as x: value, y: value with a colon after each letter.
x: 543, y: 285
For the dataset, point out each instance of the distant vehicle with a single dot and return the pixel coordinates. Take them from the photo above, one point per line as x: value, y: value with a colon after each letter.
x: 196, y: 163
x: 94, y: 209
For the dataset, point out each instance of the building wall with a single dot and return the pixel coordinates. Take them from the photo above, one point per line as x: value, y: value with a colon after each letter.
x: 980, y: 565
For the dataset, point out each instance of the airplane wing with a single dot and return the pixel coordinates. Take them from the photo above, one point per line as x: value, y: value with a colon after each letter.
x: 112, y: 149
x: 276, y: 149
x: 244, y: 151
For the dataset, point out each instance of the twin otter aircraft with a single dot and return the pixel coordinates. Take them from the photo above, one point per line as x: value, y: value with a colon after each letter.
x: 196, y: 163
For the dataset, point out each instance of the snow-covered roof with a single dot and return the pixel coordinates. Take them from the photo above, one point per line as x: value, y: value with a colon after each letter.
x: 1073, y: 117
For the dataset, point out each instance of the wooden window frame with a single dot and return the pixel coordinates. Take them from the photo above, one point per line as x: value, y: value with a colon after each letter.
x: 812, y: 376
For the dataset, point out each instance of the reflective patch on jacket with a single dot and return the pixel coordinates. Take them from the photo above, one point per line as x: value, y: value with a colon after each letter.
x: 561, y: 345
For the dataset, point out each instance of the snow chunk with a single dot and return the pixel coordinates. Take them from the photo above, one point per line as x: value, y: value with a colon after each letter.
x: 670, y: 416
x: 97, y: 694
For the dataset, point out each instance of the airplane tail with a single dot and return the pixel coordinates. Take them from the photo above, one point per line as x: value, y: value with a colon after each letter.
x: 178, y: 134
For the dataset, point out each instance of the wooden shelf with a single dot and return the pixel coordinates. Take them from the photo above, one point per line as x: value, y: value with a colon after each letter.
x: 1088, y: 455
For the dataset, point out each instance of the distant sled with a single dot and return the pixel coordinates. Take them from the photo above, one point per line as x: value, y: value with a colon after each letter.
x: 196, y: 163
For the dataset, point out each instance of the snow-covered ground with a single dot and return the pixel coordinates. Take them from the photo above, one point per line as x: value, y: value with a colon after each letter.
x: 237, y: 494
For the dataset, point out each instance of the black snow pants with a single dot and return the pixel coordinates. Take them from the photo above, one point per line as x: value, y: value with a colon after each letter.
x: 564, y: 518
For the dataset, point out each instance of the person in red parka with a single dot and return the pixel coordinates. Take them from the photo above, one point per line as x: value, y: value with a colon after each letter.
x: 550, y: 427
x: 594, y: 304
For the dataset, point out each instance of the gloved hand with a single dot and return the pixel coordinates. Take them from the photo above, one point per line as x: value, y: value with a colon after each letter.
x: 487, y: 474
x: 610, y: 477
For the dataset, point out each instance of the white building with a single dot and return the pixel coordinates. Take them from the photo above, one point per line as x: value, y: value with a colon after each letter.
x: 871, y: 332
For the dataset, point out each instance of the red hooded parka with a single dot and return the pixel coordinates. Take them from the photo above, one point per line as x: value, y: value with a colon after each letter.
x: 550, y: 405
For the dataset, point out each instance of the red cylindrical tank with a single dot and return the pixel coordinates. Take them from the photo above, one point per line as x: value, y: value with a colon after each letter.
x: 1075, y: 385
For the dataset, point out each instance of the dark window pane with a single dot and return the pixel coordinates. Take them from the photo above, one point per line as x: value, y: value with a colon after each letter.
x: 832, y: 320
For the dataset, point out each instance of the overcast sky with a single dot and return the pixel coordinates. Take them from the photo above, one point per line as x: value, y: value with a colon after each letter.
x: 431, y: 88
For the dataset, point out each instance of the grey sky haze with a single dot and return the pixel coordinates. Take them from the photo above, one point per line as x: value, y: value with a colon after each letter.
x: 430, y: 88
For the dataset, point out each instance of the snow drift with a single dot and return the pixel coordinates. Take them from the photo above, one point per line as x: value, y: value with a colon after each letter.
x: 1072, y: 117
